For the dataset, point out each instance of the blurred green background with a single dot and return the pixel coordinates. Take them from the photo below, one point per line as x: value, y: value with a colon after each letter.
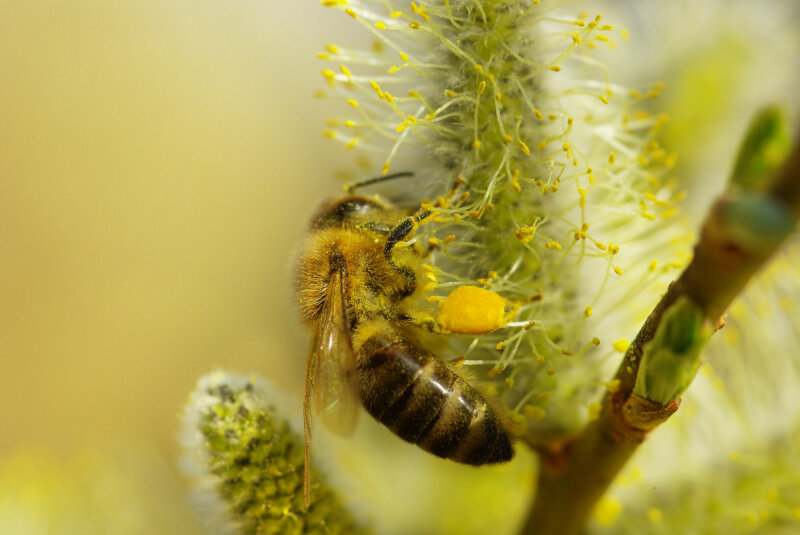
x: 158, y: 160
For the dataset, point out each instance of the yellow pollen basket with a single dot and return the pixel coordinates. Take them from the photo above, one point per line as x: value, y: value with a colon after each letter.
x: 472, y: 310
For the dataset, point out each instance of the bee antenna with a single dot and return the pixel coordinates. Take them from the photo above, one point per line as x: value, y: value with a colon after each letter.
x: 351, y: 188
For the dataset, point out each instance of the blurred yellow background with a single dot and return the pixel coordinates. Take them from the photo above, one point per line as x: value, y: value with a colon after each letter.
x: 158, y: 160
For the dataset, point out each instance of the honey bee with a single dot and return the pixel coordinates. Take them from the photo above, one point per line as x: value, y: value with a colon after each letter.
x: 354, y: 287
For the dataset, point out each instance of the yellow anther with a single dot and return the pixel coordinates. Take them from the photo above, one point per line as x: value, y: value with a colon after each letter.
x: 352, y: 143
x: 507, y: 138
x: 350, y: 12
x: 330, y: 134
x: 385, y: 168
x: 588, y: 312
x: 509, y: 382
x: 323, y: 55
x: 579, y: 22
x: 648, y: 215
x: 555, y: 68
x: 596, y: 341
x: 524, y: 148
x: 552, y: 244
x: 613, y: 248
x: 529, y: 325
x: 415, y: 94
x: 565, y: 146
x: 490, y: 77
x: 611, y: 386
x: 492, y: 274
x: 393, y: 69
x: 644, y: 162
x: 352, y: 102
x: 450, y: 239
x: 621, y: 345
x: 552, y: 116
x: 403, y: 56
x: 413, y: 25
x: 433, y: 241
x: 388, y: 96
x: 653, y: 266
x: 449, y: 93
x: 333, y: 49
x: 411, y: 119
x: 576, y: 38
x: 420, y: 10
x: 478, y: 67
x: 585, y: 226
x: 476, y: 144
x: 542, y: 146
x: 484, y: 282
x: 612, y: 158
x: 429, y: 287
x: 496, y: 370
x: 498, y: 97
x: 591, y: 179
x: 603, y: 98
x: 430, y: 116
x: 345, y: 71
x: 380, y: 25
x: 618, y: 270
x: 329, y: 74
x: 395, y: 14
x: 500, y: 345
x: 481, y: 87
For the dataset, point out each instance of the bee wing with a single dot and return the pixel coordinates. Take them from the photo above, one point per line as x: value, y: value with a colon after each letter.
x: 333, y: 376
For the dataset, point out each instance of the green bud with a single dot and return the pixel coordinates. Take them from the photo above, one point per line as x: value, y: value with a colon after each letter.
x: 671, y: 359
x: 252, y: 460
x: 756, y: 222
x: 765, y: 147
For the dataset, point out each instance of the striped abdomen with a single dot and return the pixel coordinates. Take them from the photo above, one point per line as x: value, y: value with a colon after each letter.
x: 422, y: 401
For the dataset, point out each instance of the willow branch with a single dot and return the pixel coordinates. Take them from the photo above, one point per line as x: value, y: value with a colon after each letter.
x: 743, y: 229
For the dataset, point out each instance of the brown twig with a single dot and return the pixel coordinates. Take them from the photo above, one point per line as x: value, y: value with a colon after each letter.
x: 723, y: 262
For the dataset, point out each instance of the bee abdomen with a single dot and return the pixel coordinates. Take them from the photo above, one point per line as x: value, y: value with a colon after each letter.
x: 422, y: 401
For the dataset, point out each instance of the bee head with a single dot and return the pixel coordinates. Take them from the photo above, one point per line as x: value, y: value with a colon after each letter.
x: 346, y: 210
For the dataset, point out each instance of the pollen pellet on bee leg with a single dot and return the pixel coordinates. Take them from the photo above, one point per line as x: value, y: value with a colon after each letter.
x: 471, y: 310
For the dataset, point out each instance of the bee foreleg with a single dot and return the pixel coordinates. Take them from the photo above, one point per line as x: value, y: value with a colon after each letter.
x: 398, y: 234
x: 424, y: 322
